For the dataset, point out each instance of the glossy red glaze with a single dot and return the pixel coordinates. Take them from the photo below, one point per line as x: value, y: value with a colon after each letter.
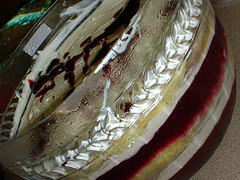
x: 212, y: 142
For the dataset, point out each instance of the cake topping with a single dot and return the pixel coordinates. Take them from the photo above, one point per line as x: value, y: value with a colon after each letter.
x: 56, y: 67
x: 59, y: 70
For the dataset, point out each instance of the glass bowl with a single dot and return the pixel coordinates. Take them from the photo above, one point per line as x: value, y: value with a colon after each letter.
x: 115, y: 89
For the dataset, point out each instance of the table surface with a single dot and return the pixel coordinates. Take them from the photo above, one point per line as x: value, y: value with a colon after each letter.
x: 225, y: 162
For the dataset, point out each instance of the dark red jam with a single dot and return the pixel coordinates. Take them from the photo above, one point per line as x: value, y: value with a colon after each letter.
x: 126, y: 107
x: 54, y: 63
x: 66, y: 55
x: 194, y: 102
x: 86, y: 41
x: 211, y: 143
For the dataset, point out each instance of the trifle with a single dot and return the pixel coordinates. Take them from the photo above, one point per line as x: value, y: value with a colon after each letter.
x: 117, y: 89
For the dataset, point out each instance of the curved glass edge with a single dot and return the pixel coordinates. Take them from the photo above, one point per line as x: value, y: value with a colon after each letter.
x: 158, y: 44
x: 22, y: 60
x: 32, y: 129
x: 22, y: 45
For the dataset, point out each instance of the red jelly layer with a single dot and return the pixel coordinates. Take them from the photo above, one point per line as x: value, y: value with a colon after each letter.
x: 194, y: 102
x: 210, y: 145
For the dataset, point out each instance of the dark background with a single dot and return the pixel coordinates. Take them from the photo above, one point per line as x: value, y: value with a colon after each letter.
x: 8, y: 8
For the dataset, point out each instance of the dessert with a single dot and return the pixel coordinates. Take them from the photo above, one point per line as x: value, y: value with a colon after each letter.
x: 126, y: 89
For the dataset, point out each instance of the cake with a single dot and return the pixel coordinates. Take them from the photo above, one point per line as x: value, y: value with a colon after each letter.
x: 126, y: 89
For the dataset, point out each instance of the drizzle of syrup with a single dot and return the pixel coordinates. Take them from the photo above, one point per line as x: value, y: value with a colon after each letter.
x: 66, y: 55
x: 31, y: 83
x: 69, y: 68
x: 117, y: 13
x: 53, y: 64
x: 103, y: 52
x: 126, y: 107
x: 122, y: 18
x: 86, y: 41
